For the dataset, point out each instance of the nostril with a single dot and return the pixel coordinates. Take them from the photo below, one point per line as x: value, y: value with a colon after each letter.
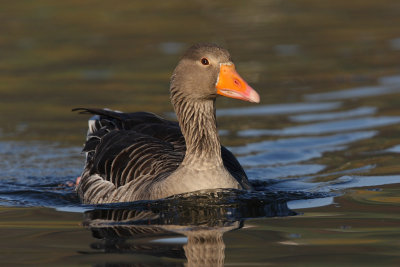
x: 237, y: 82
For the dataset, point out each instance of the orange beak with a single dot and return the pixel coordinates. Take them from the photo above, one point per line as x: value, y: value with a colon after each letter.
x: 230, y: 84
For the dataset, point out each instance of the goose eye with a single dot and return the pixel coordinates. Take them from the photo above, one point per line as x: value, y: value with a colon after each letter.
x: 204, y: 61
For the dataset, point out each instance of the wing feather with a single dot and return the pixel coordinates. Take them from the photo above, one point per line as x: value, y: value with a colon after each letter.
x: 126, y: 147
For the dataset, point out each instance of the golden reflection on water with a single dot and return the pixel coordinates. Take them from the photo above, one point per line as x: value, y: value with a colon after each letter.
x: 57, y: 56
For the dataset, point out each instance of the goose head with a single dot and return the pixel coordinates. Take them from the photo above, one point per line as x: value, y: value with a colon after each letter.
x: 206, y: 71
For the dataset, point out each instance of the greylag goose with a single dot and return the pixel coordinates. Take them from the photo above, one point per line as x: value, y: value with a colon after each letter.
x: 141, y: 156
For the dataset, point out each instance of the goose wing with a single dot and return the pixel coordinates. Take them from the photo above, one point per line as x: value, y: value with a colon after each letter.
x: 123, y: 147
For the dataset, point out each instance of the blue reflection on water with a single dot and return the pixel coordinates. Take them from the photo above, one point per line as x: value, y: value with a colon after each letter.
x: 326, y: 127
x: 361, y: 111
x: 303, y: 142
x: 366, y: 91
x: 278, y: 109
x: 284, y: 171
x: 395, y: 149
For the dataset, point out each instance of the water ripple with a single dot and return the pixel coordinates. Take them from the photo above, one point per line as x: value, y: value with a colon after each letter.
x: 326, y: 127
x: 395, y: 149
x: 278, y: 109
x: 366, y: 91
x: 341, y: 183
x: 361, y: 111
x: 303, y: 142
x: 284, y: 171
x: 286, y: 156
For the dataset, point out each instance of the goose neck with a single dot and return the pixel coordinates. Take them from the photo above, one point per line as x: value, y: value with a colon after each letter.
x: 198, y: 124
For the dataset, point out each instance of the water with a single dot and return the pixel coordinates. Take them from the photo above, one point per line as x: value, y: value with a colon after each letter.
x: 322, y: 148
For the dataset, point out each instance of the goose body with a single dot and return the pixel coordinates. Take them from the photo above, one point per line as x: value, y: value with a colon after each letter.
x: 141, y: 156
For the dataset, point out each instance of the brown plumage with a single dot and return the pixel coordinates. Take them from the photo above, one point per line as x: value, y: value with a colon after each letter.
x: 137, y: 156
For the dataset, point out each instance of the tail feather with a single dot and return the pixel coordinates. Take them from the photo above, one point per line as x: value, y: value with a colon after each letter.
x: 115, y: 114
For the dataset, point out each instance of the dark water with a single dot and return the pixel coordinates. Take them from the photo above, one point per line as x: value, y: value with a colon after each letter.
x: 322, y: 148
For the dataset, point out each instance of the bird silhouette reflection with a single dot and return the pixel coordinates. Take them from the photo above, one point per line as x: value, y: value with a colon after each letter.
x: 188, y: 226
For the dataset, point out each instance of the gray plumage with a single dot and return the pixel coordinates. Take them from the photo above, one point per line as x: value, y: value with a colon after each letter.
x: 138, y: 156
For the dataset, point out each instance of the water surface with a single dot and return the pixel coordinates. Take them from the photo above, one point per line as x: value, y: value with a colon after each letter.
x: 322, y: 148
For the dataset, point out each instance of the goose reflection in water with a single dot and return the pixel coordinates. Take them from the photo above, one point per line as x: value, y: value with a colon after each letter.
x: 156, y: 227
